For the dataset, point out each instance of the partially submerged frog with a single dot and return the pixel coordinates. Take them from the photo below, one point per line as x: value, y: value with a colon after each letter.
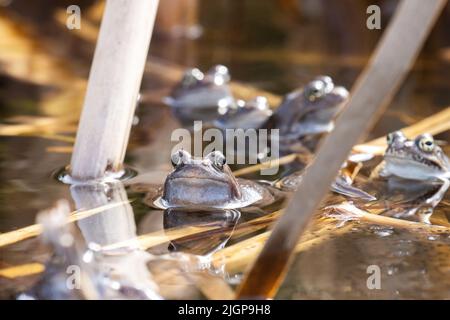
x: 419, y: 159
x: 201, y: 96
x: 250, y: 114
x: 207, y: 183
x: 415, y: 159
x: 302, y: 117
x: 341, y: 185
x: 307, y: 113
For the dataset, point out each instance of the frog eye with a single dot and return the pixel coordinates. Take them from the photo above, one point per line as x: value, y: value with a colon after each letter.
x: 327, y: 83
x: 220, y: 74
x: 390, y: 138
x: 426, y: 143
x: 396, y: 135
x: 179, y: 157
x: 315, y: 90
x: 217, y: 158
x: 260, y: 103
x: 192, y: 76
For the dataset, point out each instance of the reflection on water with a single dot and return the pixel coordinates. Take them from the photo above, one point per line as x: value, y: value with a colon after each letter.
x: 182, y: 252
x: 413, y: 258
x: 224, y: 220
x: 84, y: 262
x: 198, y: 254
x: 411, y: 266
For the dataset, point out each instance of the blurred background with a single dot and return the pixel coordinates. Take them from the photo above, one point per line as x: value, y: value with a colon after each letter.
x: 274, y: 45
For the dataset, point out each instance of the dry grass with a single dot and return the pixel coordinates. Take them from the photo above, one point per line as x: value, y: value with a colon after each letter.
x: 34, y: 230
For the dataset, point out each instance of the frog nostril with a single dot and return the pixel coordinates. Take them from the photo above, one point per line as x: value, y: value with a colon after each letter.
x: 221, y: 161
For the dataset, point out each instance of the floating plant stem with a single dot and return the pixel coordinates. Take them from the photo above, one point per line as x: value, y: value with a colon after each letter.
x: 149, y: 240
x: 113, y: 87
x: 34, y: 230
x: 392, y: 59
x: 348, y: 210
x: 22, y: 270
x: 152, y: 239
x: 239, y: 256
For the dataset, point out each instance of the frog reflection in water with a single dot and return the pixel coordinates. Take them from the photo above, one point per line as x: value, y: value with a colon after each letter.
x: 201, y: 96
x: 96, y: 279
x: 208, y: 183
x: 419, y: 159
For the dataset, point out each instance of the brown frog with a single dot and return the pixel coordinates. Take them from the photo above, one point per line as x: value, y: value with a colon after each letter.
x: 201, y: 96
x: 307, y: 113
x: 207, y: 183
x: 302, y: 118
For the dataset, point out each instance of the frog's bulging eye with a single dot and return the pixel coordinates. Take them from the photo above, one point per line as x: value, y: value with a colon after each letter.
x: 220, y: 75
x: 179, y: 157
x: 426, y: 143
x: 220, y: 69
x: 259, y: 103
x: 315, y: 90
x: 390, y: 138
x: 396, y: 135
x: 217, y: 158
x: 192, y: 76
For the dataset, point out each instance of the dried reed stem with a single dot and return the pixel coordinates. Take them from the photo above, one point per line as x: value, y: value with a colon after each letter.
x: 113, y: 87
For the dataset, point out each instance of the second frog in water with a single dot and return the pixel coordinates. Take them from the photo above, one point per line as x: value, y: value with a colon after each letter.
x: 302, y: 118
x: 201, y: 96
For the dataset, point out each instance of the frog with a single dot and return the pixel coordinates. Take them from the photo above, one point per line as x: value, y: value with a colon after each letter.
x: 419, y: 159
x: 245, y: 115
x: 307, y: 113
x: 201, y: 96
x: 341, y: 185
x: 208, y: 183
x: 302, y: 117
